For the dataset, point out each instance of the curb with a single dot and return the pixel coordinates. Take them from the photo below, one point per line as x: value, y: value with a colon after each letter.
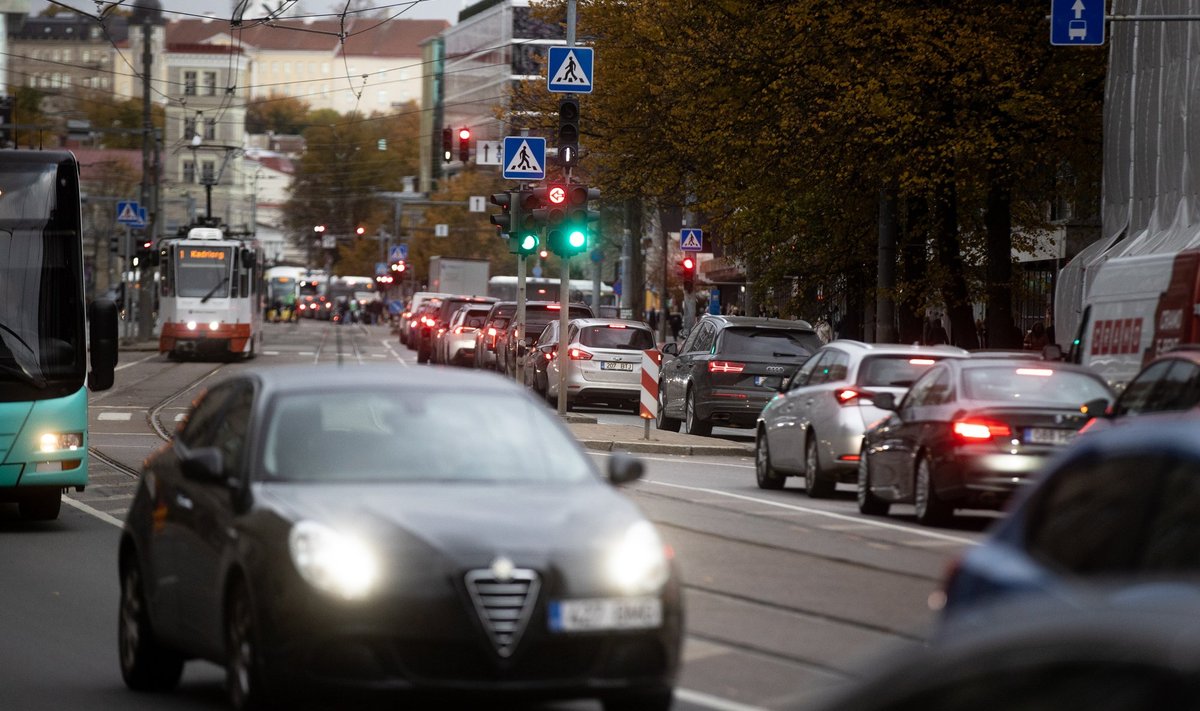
x: 635, y: 447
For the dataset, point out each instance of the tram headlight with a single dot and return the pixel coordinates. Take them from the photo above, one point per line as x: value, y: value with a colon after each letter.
x: 56, y: 442
x: 191, y: 325
x: 213, y: 325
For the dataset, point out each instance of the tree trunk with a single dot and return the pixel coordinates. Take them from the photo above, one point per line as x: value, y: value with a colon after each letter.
x: 949, y: 251
x: 1000, y: 330
x: 912, y: 268
x: 885, y: 294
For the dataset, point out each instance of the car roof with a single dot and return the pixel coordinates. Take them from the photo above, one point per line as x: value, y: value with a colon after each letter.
x: 899, y: 348
x: 584, y: 322
x: 277, y: 378
x: 984, y: 362
x: 756, y: 321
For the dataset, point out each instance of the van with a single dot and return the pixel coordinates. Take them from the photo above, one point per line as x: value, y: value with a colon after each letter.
x: 1137, y: 309
x: 407, y: 326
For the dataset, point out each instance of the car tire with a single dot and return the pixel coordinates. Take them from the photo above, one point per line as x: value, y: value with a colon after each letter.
x: 245, y: 679
x: 661, y: 420
x: 146, y: 665
x: 658, y: 700
x: 41, y: 506
x: 422, y: 356
x: 868, y: 504
x: 817, y: 483
x: 764, y: 474
x: 694, y: 425
x: 931, y: 510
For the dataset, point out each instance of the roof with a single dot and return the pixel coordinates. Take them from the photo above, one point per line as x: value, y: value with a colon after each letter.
x: 365, y: 36
x: 372, y: 377
x: 95, y: 162
x: 282, y: 164
x: 200, y: 48
x: 71, y: 27
x: 752, y: 321
x: 901, y: 348
x: 631, y: 323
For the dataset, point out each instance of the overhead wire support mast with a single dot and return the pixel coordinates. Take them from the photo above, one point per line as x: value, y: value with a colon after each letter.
x: 564, y: 289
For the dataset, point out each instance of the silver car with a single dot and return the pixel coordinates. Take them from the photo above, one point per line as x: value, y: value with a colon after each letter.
x: 815, y: 426
x: 457, y: 345
x: 604, y: 362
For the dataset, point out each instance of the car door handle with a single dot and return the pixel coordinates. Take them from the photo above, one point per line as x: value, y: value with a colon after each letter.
x: 184, y: 502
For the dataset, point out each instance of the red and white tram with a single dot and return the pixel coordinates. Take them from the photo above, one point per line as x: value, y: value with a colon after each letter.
x: 211, y: 300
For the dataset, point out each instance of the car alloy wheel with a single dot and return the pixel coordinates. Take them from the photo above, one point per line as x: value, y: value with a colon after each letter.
x: 695, y: 426
x: 764, y: 473
x: 245, y: 678
x: 662, y: 420
x: 816, y: 482
x: 868, y: 503
x: 145, y: 664
x: 930, y: 509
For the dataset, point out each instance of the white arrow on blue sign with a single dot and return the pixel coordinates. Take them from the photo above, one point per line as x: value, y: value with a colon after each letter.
x: 691, y: 239
x: 570, y: 71
x: 525, y: 158
x: 1078, y: 23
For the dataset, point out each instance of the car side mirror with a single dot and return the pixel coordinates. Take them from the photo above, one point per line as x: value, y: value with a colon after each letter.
x: 205, y: 464
x: 102, y: 320
x: 1095, y: 408
x: 624, y: 468
x: 885, y: 401
x: 671, y: 349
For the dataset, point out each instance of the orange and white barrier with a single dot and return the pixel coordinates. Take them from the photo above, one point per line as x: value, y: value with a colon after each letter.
x: 651, y: 360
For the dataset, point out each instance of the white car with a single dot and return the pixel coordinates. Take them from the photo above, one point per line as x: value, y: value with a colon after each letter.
x: 604, y: 362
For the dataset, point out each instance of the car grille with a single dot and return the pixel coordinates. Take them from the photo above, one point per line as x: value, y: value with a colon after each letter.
x: 504, y: 606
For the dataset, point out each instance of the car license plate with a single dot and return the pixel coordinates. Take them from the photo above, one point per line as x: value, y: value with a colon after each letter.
x: 613, y: 365
x: 635, y: 613
x: 1047, y: 435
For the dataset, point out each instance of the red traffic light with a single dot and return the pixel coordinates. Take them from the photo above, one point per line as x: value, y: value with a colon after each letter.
x: 464, y: 134
x: 557, y: 194
x: 688, y: 264
x: 360, y: 230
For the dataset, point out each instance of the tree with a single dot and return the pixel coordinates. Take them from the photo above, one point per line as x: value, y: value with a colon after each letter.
x: 125, y: 115
x: 278, y: 114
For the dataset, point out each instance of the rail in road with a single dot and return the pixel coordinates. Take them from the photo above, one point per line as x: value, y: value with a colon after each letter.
x: 786, y: 596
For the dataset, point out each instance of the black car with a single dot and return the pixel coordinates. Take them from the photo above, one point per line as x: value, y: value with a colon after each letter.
x: 336, y: 529
x: 969, y: 432
x: 516, y: 341
x: 727, y: 369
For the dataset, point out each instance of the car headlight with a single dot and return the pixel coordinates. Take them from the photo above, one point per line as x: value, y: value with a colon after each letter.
x: 637, y: 563
x: 55, y: 442
x: 333, y: 562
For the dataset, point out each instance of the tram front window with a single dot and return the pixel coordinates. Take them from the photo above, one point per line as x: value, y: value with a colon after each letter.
x: 41, y: 314
x: 203, y: 271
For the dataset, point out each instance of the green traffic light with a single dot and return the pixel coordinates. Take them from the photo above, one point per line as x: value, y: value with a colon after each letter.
x: 577, y: 239
x: 529, y: 243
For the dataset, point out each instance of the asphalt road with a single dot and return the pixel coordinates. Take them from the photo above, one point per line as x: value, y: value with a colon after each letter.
x: 788, y: 598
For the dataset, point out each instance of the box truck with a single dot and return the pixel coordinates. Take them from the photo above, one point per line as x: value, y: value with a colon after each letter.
x: 454, y: 275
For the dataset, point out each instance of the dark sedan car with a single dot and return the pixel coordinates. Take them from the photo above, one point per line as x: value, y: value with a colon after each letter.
x: 727, y: 369
x: 335, y: 528
x: 969, y: 432
x: 1115, y: 518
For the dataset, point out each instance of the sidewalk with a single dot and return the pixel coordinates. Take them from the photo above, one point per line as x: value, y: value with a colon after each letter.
x: 631, y: 438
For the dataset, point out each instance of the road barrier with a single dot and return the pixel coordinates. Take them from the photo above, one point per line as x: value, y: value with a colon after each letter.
x: 651, y: 360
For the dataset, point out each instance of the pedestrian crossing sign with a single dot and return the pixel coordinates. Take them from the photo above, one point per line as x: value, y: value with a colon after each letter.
x: 525, y: 158
x: 691, y: 240
x: 130, y: 213
x: 570, y: 70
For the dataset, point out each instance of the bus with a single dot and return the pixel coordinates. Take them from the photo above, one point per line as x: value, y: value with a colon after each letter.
x: 283, y: 287
x: 210, y: 297
x: 45, y: 327
x: 544, y: 289
x: 312, y: 295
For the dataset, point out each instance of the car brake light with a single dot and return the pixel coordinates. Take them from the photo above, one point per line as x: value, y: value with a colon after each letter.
x: 578, y: 354
x: 921, y: 361
x: 441, y: 331
x: 554, y: 307
x: 617, y: 325
x: 1088, y: 425
x: 848, y: 396
x: 1041, y: 372
x: 980, y: 430
x: 725, y: 366
x: 413, y: 324
x: 458, y: 329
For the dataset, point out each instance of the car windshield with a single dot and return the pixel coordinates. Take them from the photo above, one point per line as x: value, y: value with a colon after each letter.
x: 202, y: 271
x: 1032, y: 385
x: 770, y: 342
x: 536, y: 317
x: 619, y: 337
x: 410, y: 435
x: 897, y: 371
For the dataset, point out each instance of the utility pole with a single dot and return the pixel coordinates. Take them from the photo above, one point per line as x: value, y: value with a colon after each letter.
x: 149, y: 192
x: 564, y: 289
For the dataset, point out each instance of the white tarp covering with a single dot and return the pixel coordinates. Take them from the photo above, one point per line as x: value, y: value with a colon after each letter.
x: 1151, y: 193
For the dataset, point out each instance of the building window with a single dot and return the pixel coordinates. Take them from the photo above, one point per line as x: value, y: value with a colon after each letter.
x: 189, y: 171
x: 95, y: 33
x: 189, y: 127
x: 104, y: 82
x: 66, y: 55
x: 66, y: 80
x: 274, y: 67
x: 312, y: 68
x: 287, y: 69
x: 86, y: 55
x: 32, y: 80
x: 324, y: 68
x: 210, y: 83
x: 382, y: 97
x: 189, y: 83
x: 210, y: 129
x: 56, y: 82
x: 57, y: 55
x: 208, y: 172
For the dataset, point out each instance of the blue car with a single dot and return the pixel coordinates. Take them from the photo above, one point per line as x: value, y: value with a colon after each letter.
x: 1117, y: 514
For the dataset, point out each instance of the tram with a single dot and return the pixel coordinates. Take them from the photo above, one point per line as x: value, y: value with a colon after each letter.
x: 282, y: 290
x: 210, y: 298
x: 44, y: 330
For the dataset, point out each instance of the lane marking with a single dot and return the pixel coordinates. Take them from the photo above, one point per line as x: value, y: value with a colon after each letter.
x: 713, y: 702
x: 305, y: 353
x: 130, y: 365
x: 846, y: 526
x: 378, y: 355
x: 388, y: 345
x: 122, y: 416
x: 270, y: 352
x: 818, y: 512
x: 683, y: 459
x: 92, y: 512
x: 181, y: 417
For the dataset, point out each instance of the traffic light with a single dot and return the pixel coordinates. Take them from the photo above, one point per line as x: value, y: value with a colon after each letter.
x: 114, y: 244
x: 360, y: 230
x: 447, y: 144
x: 464, y: 144
x: 568, y: 131
x: 503, y: 220
x: 550, y: 211
x: 687, y: 268
x: 144, y: 255
x: 527, y: 234
x: 572, y: 236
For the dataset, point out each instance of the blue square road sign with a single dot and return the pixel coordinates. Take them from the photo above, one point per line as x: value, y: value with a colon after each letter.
x: 1078, y: 23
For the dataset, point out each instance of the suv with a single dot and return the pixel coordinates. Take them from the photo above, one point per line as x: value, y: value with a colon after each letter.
x: 408, y: 327
x: 815, y: 427
x: 537, y: 315
x: 1170, y: 383
x: 492, y: 333
x: 435, y: 325
x: 727, y: 369
x: 603, y: 363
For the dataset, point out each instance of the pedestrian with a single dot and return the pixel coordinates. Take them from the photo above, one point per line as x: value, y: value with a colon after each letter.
x: 652, y: 318
x: 824, y: 331
x: 935, y: 333
x: 1036, y: 339
x: 675, y: 321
